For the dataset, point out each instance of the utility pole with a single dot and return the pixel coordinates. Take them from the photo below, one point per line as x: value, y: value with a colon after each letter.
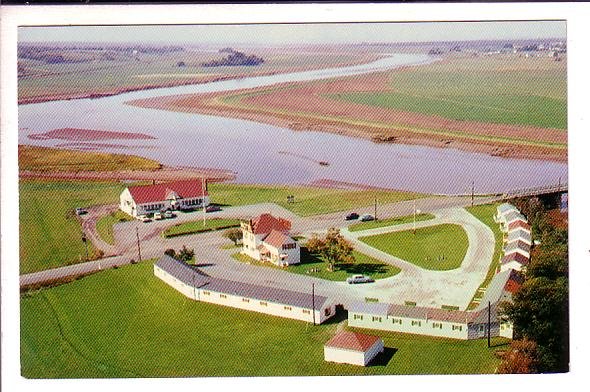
x: 203, y: 200
x: 375, y: 208
x: 85, y: 241
x: 138, y: 245
x: 414, y: 216
x: 489, y: 323
x: 472, y: 192
x: 313, y: 302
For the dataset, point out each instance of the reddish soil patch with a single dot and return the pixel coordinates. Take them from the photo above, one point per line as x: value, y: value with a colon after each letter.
x: 97, y: 146
x: 77, y: 134
x: 309, y: 98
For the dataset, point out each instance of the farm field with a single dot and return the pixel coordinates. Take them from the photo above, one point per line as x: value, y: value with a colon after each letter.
x: 43, y: 81
x: 502, y: 105
x: 308, y: 200
x: 389, y: 222
x: 313, y: 266
x: 441, y: 247
x: 141, y: 327
x: 50, y: 234
x: 485, y: 213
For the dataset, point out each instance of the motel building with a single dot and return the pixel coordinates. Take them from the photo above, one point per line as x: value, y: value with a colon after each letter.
x: 267, y: 238
x: 192, y: 283
x: 353, y: 348
x: 178, y: 195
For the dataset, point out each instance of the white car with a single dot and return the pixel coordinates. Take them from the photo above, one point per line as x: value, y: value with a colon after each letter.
x: 359, y: 279
x: 168, y: 215
x: 158, y: 216
x: 144, y: 218
x: 367, y: 218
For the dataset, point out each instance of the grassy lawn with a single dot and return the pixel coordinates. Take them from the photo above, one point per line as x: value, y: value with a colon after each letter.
x: 389, y: 222
x: 46, y: 159
x: 104, y: 225
x: 50, y: 234
x: 475, y: 89
x: 316, y: 267
x: 426, y: 246
x: 198, y: 226
x: 141, y: 327
x: 308, y: 200
x: 485, y: 213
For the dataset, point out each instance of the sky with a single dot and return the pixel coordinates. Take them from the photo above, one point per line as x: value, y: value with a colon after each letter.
x: 297, y: 33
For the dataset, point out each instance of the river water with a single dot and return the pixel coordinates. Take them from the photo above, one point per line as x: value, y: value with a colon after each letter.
x: 255, y: 151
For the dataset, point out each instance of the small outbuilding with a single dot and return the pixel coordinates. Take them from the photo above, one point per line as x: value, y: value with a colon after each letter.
x: 353, y: 348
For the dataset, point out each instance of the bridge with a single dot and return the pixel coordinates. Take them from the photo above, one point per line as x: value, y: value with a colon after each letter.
x: 537, y: 191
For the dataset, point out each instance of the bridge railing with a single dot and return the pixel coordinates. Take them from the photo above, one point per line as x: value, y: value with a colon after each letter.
x: 538, y: 190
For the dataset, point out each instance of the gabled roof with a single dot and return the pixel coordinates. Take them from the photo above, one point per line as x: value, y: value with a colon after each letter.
x: 519, y: 234
x: 266, y: 223
x: 159, y: 192
x: 505, y: 208
x: 515, y: 245
x: 515, y: 256
x: 514, y: 215
x: 423, y: 313
x: 277, y: 239
x: 514, y: 282
x: 519, y: 225
x: 376, y: 308
x: 352, y: 341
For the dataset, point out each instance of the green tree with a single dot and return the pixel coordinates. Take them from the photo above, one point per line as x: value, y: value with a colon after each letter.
x: 333, y: 248
x: 186, y: 254
x: 522, y: 358
x: 233, y: 235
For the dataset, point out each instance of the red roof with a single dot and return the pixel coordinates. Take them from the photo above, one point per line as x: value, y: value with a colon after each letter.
x: 277, y: 239
x: 515, y: 256
x: 266, y: 223
x: 160, y: 192
x: 352, y: 341
x: 514, y: 282
x: 519, y: 224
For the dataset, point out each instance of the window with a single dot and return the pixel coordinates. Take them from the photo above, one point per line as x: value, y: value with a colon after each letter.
x: 357, y: 317
x: 376, y: 318
x: 289, y: 246
x: 262, y: 303
x: 416, y: 322
x: 481, y: 328
x: 222, y: 296
x: 245, y: 300
x: 306, y: 311
x: 397, y: 321
x: 327, y: 311
x: 437, y: 325
x: 457, y: 328
x: 206, y: 293
x: 287, y: 308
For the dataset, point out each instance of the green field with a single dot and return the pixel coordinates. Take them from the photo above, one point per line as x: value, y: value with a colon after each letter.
x: 50, y: 234
x: 198, y: 226
x: 426, y: 247
x: 44, y: 159
x: 316, y: 267
x: 505, y: 89
x: 308, y: 200
x: 485, y: 213
x: 389, y: 222
x: 104, y: 225
x: 141, y: 327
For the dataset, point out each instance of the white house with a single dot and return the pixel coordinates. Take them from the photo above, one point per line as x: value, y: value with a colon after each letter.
x: 519, y: 235
x: 518, y: 247
x: 519, y: 225
x: 194, y: 284
x: 514, y: 261
x: 502, y: 210
x: 353, y: 348
x: 178, y: 195
x: 510, y: 218
x: 266, y: 238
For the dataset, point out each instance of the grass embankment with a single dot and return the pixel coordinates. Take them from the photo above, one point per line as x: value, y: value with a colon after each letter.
x: 45, y: 159
x: 195, y: 227
x: 485, y: 213
x: 314, y: 266
x: 50, y: 234
x: 141, y: 327
x: 389, y: 222
x: 498, y: 89
x: 440, y: 247
x: 308, y: 200
x: 104, y: 226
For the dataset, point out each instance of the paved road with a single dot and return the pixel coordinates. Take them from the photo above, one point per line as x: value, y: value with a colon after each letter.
x: 413, y: 283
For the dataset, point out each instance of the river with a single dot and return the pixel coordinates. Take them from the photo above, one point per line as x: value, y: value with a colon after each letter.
x: 256, y: 152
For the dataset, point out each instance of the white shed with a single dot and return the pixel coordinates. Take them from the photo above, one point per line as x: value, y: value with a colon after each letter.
x: 353, y: 348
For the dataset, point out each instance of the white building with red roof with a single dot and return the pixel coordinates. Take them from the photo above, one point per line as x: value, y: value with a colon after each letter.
x: 178, y: 195
x: 267, y: 238
x: 353, y: 348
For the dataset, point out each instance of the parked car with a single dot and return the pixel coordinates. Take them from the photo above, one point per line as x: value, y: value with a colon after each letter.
x: 367, y: 217
x: 158, y: 216
x: 359, y: 279
x: 144, y: 218
x: 81, y: 211
x: 351, y: 216
x: 212, y: 208
x: 169, y: 214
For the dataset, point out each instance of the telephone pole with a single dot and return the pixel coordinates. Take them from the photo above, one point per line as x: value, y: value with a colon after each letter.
x: 472, y: 192
x: 313, y: 302
x: 138, y: 245
x: 375, y: 208
x: 489, y: 323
